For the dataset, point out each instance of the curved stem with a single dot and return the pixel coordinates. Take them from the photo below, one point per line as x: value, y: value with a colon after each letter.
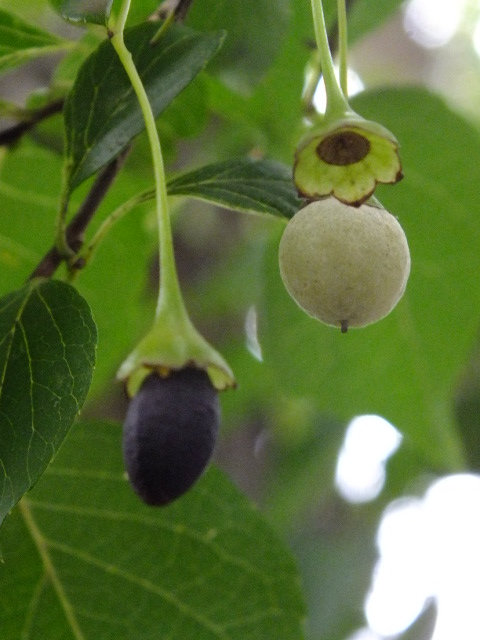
x: 87, y: 252
x: 337, y: 104
x: 118, y: 24
x: 343, y: 45
x: 165, y: 25
x: 170, y: 301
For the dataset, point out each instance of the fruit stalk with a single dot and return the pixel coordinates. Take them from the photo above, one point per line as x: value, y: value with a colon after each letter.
x: 170, y: 305
x: 337, y: 105
x: 173, y: 417
x: 343, y: 46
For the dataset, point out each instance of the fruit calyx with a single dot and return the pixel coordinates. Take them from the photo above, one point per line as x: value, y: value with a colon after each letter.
x: 173, y: 343
x: 346, y: 159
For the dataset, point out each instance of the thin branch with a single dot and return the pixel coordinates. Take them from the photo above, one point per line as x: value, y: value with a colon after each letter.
x: 13, y: 134
x: 177, y: 8
x: 75, y: 231
x: 182, y: 9
x: 169, y: 12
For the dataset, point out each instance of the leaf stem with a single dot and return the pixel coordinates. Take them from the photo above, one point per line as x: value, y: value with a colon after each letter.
x: 337, y: 105
x: 170, y: 301
x: 182, y: 9
x: 169, y: 19
x: 343, y: 45
x: 73, y: 233
x: 178, y: 13
x: 119, y: 24
x: 86, y: 254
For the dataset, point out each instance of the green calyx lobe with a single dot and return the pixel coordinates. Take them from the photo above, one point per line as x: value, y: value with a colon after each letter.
x: 346, y: 158
x: 173, y: 343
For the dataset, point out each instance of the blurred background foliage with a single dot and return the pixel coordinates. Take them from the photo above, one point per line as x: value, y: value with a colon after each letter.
x: 299, y: 383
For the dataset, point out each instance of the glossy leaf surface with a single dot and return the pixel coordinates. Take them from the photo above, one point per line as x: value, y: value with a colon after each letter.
x: 102, y: 114
x: 253, y: 186
x: 93, y: 11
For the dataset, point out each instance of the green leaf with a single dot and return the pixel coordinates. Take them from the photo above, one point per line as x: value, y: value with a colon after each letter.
x: 21, y: 42
x: 47, y: 354
x: 92, y: 11
x: 404, y: 367
x: 268, y: 117
x: 97, y: 11
x: 102, y: 114
x: 115, y: 283
x: 84, y: 558
x: 68, y: 67
x: 247, y: 53
x: 254, y: 186
x: 187, y: 115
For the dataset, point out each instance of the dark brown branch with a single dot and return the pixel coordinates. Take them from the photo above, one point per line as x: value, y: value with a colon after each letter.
x: 182, y: 9
x: 13, y: 134
x: 179, y: 8
x: 75, y: 231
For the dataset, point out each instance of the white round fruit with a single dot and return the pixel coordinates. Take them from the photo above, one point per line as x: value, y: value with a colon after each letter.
x: 346, y: 266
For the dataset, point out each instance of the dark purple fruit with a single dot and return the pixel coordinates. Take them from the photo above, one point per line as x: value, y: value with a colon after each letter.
x: 169, y: 433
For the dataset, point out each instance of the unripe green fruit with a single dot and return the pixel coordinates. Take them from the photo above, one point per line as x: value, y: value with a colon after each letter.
x: 346, y: 266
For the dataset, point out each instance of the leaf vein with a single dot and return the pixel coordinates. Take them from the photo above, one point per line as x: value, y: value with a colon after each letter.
x: 143, y: 583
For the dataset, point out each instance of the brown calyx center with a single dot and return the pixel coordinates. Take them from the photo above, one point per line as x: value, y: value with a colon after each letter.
x: 344, y: 148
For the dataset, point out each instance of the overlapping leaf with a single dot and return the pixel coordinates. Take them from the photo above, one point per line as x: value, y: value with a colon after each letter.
x: 102, y: 114
x: 261, y: 187
x: 47, y: 353
x: 84, y: 558
x: 255, y: 186
x: 247, y: 54
x: 93, y: 11
x: 21, y: 41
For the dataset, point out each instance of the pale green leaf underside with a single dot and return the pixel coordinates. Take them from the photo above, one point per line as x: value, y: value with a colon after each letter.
x: 21, y: 42
x: 207, y: 567
x: 253, y: 186
x: 93, y: 11
x: 102, y: 114
x: 47, y: 353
